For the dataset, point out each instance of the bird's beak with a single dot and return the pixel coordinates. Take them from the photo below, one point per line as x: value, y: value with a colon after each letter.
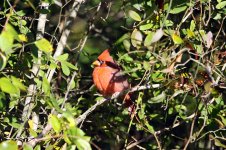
x: 96, y: 63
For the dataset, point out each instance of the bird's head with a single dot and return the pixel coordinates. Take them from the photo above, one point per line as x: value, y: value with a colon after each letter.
x: 103, y: 59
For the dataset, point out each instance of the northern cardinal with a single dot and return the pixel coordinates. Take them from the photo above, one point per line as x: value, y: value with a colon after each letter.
x: 108, y: 78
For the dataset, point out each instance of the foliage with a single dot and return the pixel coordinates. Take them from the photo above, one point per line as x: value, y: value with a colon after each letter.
x: 177, y: 45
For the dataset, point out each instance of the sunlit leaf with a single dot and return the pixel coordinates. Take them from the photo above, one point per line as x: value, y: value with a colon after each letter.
x: 8, y: 145
x: 65, y: 68
x: 44, y: 45
x: 127, y: 44
x: 70, y: 65
x: 83, y: 144
x: 147, y: 41
x: 190, y: 33
x: 177, y: 39
x: 17, y: 83
x: 158, y: 98
x: 69, y: 117
x: 7, y: 86
x: 150, y: 128
x: 177, y: 10
x: 46, y: 85
x: 146, y: 26
x: 134, y: 15
x: 31, y: 123
x: 147, y: 65
x: 55, y: 123
x: 62, y: 57
x: 7, y: 38
x: 22, y: 38
x: 157, y: 36
x: 192, y: 25
x: 27, y: 147
x: 3, y: 61
x: 136, y: 38
x: 221, y: 5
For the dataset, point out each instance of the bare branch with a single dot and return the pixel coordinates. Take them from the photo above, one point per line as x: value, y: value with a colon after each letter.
x: 59, y: 50
x: 29, y: 101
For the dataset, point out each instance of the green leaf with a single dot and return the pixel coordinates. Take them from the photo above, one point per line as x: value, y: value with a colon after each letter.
x: 127, y: 44
x: 44, y: 45
x: 17, y: 83
x: 22, y: 38
x: 146, y: 26
x: 69, y: 117
x: 150, y: 128
x: 65, y: 68
x: 219, y: 143
x: 27, y: 147
x: 82, y: 144
x: 3, y: 61
x: 221, y: 5
x: 147, y: 41
x: 217, y: 17
x: 192, y: 25
x: 77, y: 136
x: 7, y: 38
x: 136, y: 38
x: 7, y: 86
x: 122, y: 38
x: 70, y: 65
x: 54, y: 103
x: 177, y: 39
x: 157, y: 36
x: 190, y: 33
x: 134, y: 15
x: 126, y: 57
x: 177, y: 10
x: 62, y: 57
x: 159, y: 98
x: 55, y: 123
x: 8, y: 145
x: 147, y: 65
x: 46, y: 85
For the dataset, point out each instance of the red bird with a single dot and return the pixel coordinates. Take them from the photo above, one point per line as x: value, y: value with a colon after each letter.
x: 108, y: 77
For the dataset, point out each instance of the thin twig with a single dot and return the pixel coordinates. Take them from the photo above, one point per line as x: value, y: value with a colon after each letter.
x: 62, y: 43
x: 158, y: 133
x: 82, y: 117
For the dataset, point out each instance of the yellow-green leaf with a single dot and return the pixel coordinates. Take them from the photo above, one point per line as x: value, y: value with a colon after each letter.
x: 22, y: 38
x: 46, y: 85
x: 177, y: 39
x: 134, y: 15
x: 17, y: 83
x: 136, y: 38
x: 221, y: 5
x: 82, y: 144
x: 69, y: 118
x: 3, y: 61
x: 44, y: 45
x: 7, y: 38
x: 8, y: 145
x: 55, y: 123
x: 190, y: 33
x: 7, y: 86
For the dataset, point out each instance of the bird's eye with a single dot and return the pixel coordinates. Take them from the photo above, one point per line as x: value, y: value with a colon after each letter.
x: 101, y: 62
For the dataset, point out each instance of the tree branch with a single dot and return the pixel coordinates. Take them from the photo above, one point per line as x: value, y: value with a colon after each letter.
x: 59, y: 50
x: 29, y: 101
